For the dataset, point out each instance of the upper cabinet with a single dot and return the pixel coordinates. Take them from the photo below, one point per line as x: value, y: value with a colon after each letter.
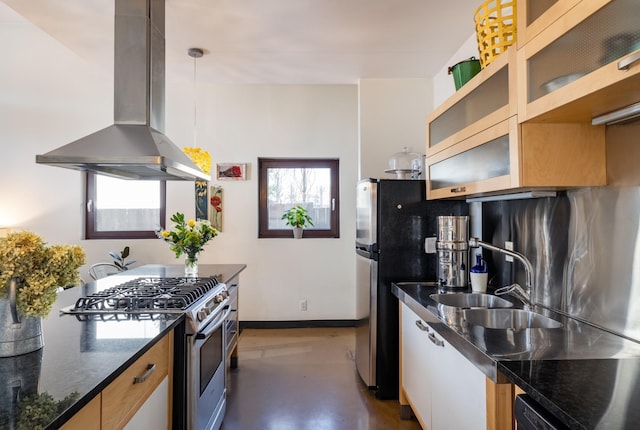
x: 536, y: 15
x: 578, y: 60
x: 525, y: 121
x: 484, y: 101
x: 510, y: 157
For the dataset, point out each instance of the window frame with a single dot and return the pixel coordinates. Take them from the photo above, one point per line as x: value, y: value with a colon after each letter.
x: 90, y: 231
x: 263, y: 220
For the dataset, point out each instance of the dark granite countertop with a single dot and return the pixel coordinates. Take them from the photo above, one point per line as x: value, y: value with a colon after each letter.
x: 583, y: 394
x: 80, y: 358
x: 586, y: 377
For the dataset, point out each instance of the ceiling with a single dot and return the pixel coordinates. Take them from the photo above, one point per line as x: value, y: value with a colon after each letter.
x: 273, y: 41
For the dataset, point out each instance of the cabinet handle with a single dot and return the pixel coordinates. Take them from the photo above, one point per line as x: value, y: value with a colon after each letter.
x: 435, y: 340
x: 151, y: 367
x: 422, y: 326
x: 459, y: 190
x: 626, y: 63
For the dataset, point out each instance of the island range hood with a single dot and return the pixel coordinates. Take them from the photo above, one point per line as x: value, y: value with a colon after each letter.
x: 134, y: 147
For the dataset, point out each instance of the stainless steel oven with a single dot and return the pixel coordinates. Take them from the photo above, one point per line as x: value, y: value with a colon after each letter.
x: 206, y: 358
x: 201, y: 349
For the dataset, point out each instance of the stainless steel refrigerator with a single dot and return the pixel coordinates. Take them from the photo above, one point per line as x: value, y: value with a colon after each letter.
x: 393, y: 219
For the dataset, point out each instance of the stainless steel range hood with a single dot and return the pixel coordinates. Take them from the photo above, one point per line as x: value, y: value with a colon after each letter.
x: 134, y: 147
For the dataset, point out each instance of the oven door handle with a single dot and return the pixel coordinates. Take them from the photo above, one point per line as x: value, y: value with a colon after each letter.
x: 213, y: 327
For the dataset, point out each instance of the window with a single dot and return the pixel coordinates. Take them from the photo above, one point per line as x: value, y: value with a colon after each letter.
x: 123, y: 209
x: 309, y: 182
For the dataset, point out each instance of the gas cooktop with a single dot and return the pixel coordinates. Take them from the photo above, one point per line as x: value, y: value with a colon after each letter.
x: 145, y: 297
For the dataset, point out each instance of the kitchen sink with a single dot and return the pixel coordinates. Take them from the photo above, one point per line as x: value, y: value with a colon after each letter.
x: 516, y: 319
x: 471, y: 300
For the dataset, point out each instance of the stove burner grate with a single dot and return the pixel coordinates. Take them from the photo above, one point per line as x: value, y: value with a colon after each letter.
x: 147, y: 295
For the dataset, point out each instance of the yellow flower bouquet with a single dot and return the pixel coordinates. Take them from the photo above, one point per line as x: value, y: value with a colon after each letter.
x: 188, y: 237
x: 38, y: 270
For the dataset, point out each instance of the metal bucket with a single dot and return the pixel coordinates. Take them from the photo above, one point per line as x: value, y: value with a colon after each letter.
x: 18, y: 334
x: 464, y: 71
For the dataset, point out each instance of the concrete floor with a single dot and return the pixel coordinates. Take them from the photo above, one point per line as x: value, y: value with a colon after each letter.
x: 304, y: 379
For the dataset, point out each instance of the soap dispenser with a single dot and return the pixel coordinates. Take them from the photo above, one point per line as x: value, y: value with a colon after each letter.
x: 478, y: 274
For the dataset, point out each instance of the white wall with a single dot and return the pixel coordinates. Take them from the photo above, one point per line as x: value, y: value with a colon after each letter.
x: 49, y: 97
x: 242, y: 123
x: 443, y: 85
x: 392, y: 116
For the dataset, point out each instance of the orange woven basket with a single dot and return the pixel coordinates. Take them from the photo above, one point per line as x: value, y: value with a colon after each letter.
x: 495, y: 28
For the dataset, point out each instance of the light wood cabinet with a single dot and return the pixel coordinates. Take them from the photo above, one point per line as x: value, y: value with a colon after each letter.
x: 575, y: 60
x: 511, y: 157
x: 476, y: 144
x: 536, y: 15
x: 125, y: 395
x: 487, y: 99
x: 139, y: 397
x: 582, y: 64
x: 88, y: 418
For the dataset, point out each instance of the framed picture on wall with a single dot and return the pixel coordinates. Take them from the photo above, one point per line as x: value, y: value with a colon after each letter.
x: 231, y: 171
x: 215, y: 212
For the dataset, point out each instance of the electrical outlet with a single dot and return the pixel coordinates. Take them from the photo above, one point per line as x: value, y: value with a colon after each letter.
x: 303, y: 305
x: 508, y: 245
x: 430, y: 245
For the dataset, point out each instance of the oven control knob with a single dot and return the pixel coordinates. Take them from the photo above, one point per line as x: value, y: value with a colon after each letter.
x: 202, y: 314
x: 219, y: 298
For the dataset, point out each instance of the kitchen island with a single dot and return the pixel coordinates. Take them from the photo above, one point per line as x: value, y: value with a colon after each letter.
x: 81, y: 358
x: 586, y: 377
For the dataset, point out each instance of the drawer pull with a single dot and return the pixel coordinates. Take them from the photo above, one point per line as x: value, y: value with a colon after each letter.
x: 459, y: 190
x: 422, y: 326
x: 435, y: 340
x: 626, y: 63
x: 140, y: 379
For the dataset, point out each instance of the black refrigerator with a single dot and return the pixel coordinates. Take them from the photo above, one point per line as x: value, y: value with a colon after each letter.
x: 393, y: 218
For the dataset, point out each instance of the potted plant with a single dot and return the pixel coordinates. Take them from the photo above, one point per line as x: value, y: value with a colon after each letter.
x: 298, y: 218
x: 188, y: 237
x: 119, y: 260
x: 30, y: 275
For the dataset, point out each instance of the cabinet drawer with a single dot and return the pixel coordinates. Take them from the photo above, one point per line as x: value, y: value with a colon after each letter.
x: 124, y: 396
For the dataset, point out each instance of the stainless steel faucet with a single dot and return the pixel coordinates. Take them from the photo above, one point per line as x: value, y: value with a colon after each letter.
x: 525, y: 295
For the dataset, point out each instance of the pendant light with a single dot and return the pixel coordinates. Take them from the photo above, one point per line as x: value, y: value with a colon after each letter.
x: 195, y: 53
x: 201, y: 158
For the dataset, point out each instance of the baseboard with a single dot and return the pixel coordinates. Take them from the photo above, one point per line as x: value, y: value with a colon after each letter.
x: 297, y: 324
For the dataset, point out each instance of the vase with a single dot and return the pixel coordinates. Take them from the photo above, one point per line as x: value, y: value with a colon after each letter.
x: 297, y: 232
x: 191, y: 265
x: 18, y: 334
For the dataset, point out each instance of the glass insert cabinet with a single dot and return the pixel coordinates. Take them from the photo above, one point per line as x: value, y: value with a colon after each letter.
x: 583, y: 64
x: 525, y: 121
